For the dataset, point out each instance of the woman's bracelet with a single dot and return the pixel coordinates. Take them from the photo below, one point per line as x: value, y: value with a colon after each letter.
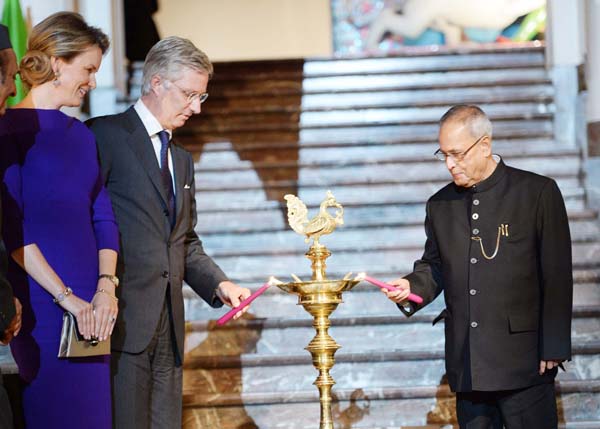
x: 63, y: 295
x: 108, y: 293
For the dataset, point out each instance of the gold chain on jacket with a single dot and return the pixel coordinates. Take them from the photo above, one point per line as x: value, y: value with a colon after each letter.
x: 502, y: 231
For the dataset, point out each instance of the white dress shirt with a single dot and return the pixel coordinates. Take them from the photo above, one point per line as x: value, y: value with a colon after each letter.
x: 153, y: 127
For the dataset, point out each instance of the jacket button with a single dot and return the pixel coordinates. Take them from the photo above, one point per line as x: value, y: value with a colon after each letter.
x: 165, y: 274
x: 169, y: 244
x: 473, y: 324
x: 166, y: 212
x: 475, y: 202
x: 475, y: 231
x: 473, y: 260
x: 475, y: 216
x: 473, y: 292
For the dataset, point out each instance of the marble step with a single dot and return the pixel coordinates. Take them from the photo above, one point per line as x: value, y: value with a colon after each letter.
x: 410, y: 115
x: 282, y: 120
x: 196, y: 357
x: 409, y: 135
x: 313, y: 68
x: 272, y: 220
x: 7, y: 363
x: 361, y: 82
x: 222, y: 105
x: 394, y: 133
x: 193, y: 133
x: 364, y: 300
x: 349, y: 116
x: 362, y: 337
x: 423, y: 61
x: 364, y: 408
x: 353, y: 195
x: 258, y: 264
x: 352, y: 239
x: 217, y: 173
x: 220, y: 156
x: 401, y: 149
x: 289, y: 379
x: 411, y: 59
x: 276, y: 308
x: 436, y: 79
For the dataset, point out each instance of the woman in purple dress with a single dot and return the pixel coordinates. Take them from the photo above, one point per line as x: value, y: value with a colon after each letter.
x: 59, y: 227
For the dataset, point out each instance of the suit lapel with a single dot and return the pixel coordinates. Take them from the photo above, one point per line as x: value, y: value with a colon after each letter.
x: 140, y: 142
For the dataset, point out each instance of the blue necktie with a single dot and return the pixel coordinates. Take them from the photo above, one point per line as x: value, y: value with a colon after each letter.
x: 165, y: 173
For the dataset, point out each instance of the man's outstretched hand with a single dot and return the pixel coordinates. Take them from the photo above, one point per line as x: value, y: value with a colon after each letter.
x: 232, y: 294
x: 401, y: 295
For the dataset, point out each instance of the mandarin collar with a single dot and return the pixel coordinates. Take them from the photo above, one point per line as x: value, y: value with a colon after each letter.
x: 488, y: 183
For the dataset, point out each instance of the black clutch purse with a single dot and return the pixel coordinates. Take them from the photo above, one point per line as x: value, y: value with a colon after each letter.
x: 72, y: 344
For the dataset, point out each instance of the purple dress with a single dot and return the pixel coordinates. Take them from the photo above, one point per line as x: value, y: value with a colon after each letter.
x: 53, y: 196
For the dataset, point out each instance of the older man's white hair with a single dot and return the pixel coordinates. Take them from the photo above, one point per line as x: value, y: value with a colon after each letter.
x: 470, y: 115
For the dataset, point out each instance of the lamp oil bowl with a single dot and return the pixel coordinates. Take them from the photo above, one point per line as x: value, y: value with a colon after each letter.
x: 319, y: 296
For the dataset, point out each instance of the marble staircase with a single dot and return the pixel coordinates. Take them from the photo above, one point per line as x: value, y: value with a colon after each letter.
x: 366, y: 129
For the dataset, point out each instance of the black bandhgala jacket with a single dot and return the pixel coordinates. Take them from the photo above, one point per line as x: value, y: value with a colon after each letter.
x: 503, y: 315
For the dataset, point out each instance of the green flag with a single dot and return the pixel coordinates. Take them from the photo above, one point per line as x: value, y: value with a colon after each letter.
x: 12, y: 17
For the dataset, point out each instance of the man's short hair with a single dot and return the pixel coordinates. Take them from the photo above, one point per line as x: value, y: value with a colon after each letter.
x: 473, y: 116
x: 167, y: 58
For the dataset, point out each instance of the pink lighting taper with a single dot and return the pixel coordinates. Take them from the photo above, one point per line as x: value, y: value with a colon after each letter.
x: 411, y: 297
x: 229, y: 315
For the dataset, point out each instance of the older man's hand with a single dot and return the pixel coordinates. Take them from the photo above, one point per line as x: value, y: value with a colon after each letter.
x: 232, y: 294
x: 398, y: 296
x: 15, y: 325
x: 548, y: 365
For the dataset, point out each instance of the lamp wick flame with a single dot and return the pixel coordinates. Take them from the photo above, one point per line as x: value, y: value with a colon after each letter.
x: 360, y: 276
x: 274, y: 281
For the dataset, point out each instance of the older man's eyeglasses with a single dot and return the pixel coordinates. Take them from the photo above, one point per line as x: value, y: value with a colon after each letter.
x: 191, y: 96
x: 456, y: 156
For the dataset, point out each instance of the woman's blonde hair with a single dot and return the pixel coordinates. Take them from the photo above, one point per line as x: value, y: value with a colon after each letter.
x: 62, y: 35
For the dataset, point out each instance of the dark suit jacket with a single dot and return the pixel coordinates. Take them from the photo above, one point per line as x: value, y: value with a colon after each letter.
x: 152, y: 254
x: 7, y: 304
x: 503, y: 314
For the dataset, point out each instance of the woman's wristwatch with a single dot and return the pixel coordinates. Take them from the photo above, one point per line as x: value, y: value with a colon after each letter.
x: 113, y: 279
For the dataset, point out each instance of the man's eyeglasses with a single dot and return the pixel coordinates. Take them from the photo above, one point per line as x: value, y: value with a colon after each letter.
x: 457, y: 157
x: 191, y: 96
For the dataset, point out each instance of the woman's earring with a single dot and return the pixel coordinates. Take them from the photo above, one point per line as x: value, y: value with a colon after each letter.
x: 56, y: 82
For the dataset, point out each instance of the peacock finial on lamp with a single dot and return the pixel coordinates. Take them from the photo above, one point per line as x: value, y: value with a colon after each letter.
x: 322, y: 224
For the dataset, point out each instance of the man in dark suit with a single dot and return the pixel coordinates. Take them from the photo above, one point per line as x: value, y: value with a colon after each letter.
x: 10, y: 308
x: 152, y: 188
x: 498, y: 246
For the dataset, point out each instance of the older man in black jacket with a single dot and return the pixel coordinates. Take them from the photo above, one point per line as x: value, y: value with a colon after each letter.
x: 10, y: 308
x: 498, y: 246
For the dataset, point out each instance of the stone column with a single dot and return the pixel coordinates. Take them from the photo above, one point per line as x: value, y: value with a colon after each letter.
x: 564, y: 53
x: 592, y: 106
x: 110, y: 80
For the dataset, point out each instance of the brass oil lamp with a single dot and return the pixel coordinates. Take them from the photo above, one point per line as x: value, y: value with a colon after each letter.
x: 319, y: 296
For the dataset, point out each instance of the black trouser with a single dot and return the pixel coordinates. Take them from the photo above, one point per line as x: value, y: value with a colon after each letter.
x: 529, y: 408
x: 6, y: 419
x: 147, y: 386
